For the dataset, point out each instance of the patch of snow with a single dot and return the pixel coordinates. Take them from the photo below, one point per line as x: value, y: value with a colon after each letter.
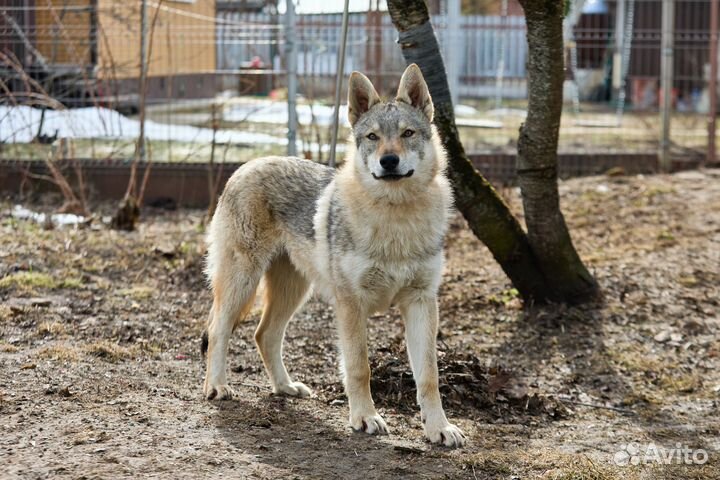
x: 602, y: 188
x: 478, y: 123
x: 465, y: 111
x: 58, y: 219
x: 277, y: 113
x: 19, y: 124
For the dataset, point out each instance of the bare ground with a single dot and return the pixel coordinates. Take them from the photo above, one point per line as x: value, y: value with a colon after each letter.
x: 100, y: 372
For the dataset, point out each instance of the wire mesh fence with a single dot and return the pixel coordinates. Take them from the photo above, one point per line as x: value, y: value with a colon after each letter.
x: 217, y: 77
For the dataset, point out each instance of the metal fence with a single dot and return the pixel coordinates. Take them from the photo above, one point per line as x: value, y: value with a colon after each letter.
x: 216, y: 78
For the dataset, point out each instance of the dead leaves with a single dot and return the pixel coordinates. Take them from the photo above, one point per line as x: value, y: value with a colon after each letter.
x: 466, y: 386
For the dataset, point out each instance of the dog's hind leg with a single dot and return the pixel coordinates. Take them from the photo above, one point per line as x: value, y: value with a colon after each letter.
x: 285, y: 289
x: 234, y: 289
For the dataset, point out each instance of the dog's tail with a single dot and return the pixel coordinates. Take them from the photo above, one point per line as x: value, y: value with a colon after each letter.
x: 204, y: 343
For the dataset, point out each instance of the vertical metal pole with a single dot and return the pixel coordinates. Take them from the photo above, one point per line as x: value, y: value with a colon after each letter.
x: 453, y: 35
x: 666, y: 80
x: 377, y: 26
x: 712, y: 83
x: 93, y: 20
x: 504, y: 31
x: 291, y: 55
x: 617, y: 54
x: 369, y: 45
x: 338, y: 83
x: 143, y: 76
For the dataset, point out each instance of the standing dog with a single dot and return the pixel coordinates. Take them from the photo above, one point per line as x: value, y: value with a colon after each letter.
x: 365, y: 238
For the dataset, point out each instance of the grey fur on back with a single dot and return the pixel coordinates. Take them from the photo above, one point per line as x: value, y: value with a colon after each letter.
x: 339, y: 237
x: 292, y: 195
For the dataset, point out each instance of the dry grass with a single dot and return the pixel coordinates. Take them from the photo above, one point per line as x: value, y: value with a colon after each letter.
x: 138, y: 292
x: 60, y: 352
x: 7, y: 348
x: 51, y: 328
x: 104, y: 349
x: 582, y: 468
x: 5, y: 314
x: 110, y: 351
x: 71, y: 283
x: 546, y: 465
x: 28, y: 281
x: 636, y: 361
x: 681, y: 382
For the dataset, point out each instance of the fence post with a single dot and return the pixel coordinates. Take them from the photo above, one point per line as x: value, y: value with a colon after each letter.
x: 666, y: 80
x: 453, y: 35
x: 338, y: 83
x: 291, y: 54
x: 500, y: 73
x: 617, y: 67
x: 712, y: 83
x: 143, y: 76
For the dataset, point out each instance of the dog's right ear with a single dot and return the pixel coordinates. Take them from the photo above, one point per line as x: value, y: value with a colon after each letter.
x: 361, y: 96
x: 414, y: 91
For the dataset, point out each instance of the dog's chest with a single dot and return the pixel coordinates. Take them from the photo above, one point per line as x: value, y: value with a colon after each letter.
x: 405, y: 241
x: 367, y: 274
x: 377, y: 283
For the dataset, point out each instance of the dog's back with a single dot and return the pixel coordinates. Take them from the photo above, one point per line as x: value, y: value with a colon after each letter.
x: 264, y: 201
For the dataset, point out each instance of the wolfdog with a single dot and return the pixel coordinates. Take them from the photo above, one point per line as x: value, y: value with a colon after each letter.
x: 366, y: 237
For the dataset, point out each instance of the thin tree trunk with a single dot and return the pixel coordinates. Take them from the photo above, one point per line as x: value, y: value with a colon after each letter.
x: 537, y: 155
x: 487, y: 215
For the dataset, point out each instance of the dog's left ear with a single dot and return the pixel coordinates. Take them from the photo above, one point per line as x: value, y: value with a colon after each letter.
x: 362, y: 96
x: 414, y: 91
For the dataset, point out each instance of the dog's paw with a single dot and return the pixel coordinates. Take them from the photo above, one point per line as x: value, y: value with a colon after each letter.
x: 293, y: 389
x: 372, y: 424
x: 448, y: 434
x: 218, y: 392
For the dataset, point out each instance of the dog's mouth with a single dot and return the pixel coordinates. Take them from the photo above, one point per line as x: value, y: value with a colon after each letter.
x: 393, y: 177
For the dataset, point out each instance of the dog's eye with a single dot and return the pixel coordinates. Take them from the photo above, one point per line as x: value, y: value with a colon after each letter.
x: 372, y: 136
x: 408, y: 133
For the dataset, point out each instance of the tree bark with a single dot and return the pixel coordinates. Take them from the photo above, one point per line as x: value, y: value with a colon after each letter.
x: 485, y: 212
x: 537, y: 155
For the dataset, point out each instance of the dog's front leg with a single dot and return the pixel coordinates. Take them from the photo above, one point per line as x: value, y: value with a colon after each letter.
x: 352, y: 330
x: 421, y: 324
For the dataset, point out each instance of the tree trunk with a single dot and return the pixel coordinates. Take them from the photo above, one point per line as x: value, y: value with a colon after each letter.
x: 537, y: 155
x: 487, y: 215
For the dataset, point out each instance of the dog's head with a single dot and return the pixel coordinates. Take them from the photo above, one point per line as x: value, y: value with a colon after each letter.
x: 395, y: 140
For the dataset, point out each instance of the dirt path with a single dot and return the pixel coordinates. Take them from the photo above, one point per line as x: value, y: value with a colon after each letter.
x: 100, y: 373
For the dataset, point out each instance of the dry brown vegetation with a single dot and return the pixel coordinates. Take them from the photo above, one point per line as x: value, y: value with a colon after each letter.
x: 100, y: 372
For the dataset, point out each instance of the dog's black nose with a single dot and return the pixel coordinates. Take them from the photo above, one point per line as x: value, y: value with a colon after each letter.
x: 389, y: 161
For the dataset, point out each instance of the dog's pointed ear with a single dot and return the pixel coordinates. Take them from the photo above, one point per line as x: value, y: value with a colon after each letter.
x: 414, y: 91
x: 361, y: 96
